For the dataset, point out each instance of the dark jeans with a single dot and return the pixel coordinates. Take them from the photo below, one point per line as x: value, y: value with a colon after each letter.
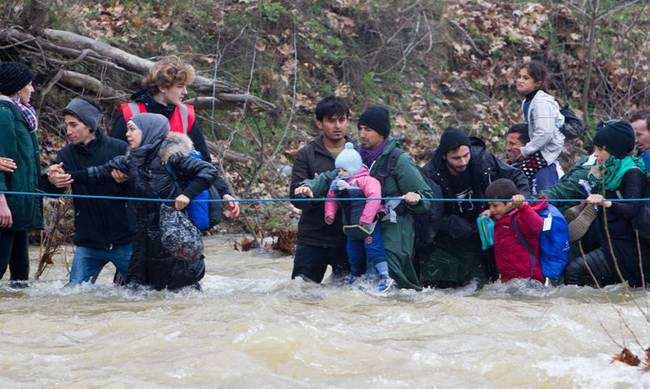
x: 370, y: 250
x: 310, y: 262
x: 13, y: 252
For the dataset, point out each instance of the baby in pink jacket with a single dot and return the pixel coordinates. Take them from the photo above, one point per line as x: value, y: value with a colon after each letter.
x: 365, y: 246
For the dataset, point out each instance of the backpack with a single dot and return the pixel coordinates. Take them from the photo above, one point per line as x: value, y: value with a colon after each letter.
x: 553, y: 243
x: 573, y: 126
x: 203, y: 214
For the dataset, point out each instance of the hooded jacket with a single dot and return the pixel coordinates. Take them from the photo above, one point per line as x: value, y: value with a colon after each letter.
x: 144, y: 96
x: 544, y: 122
x: 152, y: 265
x: 100, y: 224
x: 370, y: 187
x: 454, y: 257
x: 483, y: 168
x: 512, y: 258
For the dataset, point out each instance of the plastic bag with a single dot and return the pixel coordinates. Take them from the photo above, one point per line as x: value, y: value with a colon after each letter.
x: 178, y: 235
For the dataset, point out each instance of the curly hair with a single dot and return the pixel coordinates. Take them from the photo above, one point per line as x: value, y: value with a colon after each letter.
x: 167, y: 72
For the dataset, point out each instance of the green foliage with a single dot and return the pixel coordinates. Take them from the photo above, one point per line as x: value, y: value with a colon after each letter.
x: 272, y: 11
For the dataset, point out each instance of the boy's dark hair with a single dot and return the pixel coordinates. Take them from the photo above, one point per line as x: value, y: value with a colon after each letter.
x: 537, y: 70
x: 332, y: 107
x: 520, y: 129
x: 502, y: 188
x: 639, y: 115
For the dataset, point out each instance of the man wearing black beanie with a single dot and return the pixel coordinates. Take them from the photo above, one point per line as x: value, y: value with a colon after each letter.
x: 463, y: 169
x: 399, y: 177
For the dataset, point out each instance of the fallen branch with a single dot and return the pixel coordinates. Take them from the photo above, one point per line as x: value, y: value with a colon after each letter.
x: 209, y: 101
x: 84, y: 81
x: 124, y: 58
x: 229, y: 155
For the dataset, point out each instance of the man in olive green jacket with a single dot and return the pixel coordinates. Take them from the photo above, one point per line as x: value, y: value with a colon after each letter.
x: 400, y: 178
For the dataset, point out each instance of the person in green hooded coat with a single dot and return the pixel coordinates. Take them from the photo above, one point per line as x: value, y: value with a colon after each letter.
x: 19, y: 146
x: 399, y: 177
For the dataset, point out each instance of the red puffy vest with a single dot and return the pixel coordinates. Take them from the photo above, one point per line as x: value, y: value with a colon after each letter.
x: 182, y: 118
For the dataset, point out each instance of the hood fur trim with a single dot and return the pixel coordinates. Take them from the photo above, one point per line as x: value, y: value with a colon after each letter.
x: 174, y: 143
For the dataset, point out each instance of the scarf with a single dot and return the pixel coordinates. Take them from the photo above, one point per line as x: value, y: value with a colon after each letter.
x: 368, y: 156
x: 28, y: 112
x: 610, y: 174
x: 154, y: 129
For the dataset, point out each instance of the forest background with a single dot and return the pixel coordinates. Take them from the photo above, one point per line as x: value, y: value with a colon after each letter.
x: 434, y: 63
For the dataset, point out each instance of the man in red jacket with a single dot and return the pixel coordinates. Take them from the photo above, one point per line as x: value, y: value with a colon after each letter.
x: 517, y: 227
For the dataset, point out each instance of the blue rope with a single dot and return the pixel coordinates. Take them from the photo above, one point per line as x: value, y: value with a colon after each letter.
x: 280, y: 200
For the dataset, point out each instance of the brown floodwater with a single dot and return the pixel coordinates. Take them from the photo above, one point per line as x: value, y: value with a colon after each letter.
x: 253, y: 327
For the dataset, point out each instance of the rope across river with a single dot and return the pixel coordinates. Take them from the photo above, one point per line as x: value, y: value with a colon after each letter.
x: 300, y: 199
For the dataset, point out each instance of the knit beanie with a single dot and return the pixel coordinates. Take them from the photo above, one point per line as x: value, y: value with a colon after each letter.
x: 349, y: 159
x: 88, y: 113
x: 376, y: 118
x: 14, y: 76
x: 580, y: 218
x: 451, y: 139
x: 615, y: 136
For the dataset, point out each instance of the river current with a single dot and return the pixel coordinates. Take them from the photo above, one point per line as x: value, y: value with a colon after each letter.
x: 253, y: 327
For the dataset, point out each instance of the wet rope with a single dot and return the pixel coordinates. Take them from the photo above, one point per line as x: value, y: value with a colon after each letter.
x: 300, y: 199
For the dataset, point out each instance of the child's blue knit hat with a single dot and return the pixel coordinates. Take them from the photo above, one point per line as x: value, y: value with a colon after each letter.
x: 349, y: 159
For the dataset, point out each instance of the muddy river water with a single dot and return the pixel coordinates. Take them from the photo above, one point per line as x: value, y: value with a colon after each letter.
x: 253, y: 327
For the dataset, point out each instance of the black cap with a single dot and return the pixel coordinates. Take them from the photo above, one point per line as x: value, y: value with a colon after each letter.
x: 14, y: 76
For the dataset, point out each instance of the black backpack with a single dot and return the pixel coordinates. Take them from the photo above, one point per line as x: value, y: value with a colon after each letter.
x: 426, y: 225
x: 573, y: 127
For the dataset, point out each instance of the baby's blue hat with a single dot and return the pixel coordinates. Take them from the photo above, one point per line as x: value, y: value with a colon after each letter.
x: 349, y: 159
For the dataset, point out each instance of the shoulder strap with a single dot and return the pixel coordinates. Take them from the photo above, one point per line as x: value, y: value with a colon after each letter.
x: 522, y: 239
x: 388, y: 169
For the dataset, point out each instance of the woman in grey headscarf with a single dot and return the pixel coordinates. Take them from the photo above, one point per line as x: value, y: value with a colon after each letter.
x: 151, y: 148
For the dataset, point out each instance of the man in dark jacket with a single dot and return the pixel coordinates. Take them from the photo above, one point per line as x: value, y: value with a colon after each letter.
x: 320, y: 244
x: 463, y: 169
x: 103, y: 228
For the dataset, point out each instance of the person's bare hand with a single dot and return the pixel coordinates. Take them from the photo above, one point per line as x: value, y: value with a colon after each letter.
x: 412, y: 198
x: 486, y: 213
x: 304, y: 191
x: 7, y: 165
x: 181, y: 202
x: 56, y: 168
x: 118, y: 176
x: 597, y: 199
x: 58, y: 177
x: 518, y: 200
x: 233, y: 207
x: 6, y: 220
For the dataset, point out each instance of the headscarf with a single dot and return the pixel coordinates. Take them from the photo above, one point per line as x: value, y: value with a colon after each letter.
x: 154, y: 129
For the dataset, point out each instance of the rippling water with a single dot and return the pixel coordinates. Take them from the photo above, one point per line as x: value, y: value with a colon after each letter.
x: 253, y: 327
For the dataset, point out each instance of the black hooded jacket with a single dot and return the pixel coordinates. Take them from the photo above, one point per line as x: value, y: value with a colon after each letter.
x: 152, y: 265
x: 483, y: 169
x: 99, y: 224
x: 144, y: 96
